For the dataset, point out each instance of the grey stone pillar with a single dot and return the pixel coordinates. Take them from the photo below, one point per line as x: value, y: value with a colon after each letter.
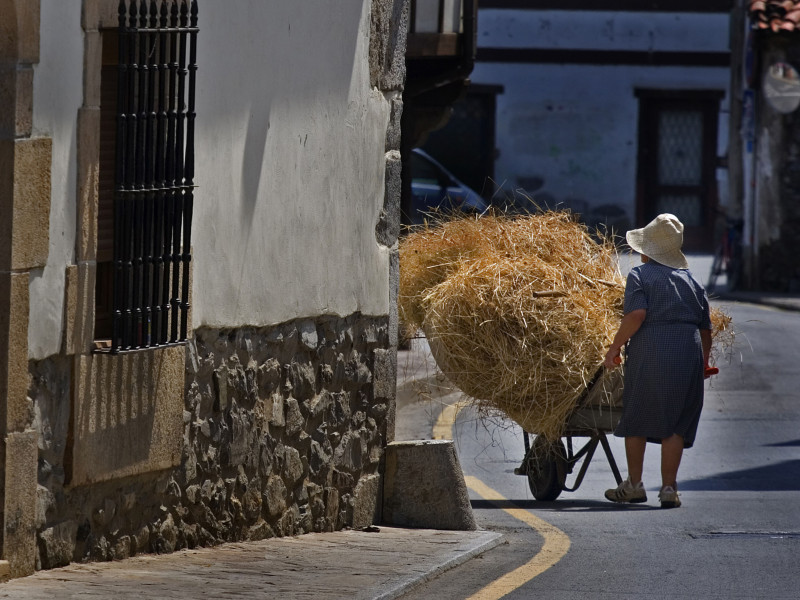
x: 424, y: 487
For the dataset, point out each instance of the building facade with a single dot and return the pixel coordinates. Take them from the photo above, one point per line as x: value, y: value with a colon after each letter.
x: 617, y: 110
x: 200, y: 204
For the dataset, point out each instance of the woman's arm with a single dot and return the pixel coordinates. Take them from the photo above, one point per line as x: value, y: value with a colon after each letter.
x: 630, y: 324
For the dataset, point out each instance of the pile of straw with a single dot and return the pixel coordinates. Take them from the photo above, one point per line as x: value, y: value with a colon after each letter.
x: 518, y: 311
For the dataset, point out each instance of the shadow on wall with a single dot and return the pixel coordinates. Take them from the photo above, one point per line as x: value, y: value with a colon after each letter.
x: 128, y: 415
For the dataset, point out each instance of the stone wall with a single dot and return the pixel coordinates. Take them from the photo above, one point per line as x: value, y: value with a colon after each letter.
x: 284, y: 431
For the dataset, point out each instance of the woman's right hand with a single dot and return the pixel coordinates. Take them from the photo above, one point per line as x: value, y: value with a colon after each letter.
x: 612, y: 359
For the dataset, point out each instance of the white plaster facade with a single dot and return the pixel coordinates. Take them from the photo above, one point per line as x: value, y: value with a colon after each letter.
x: 290, y: 140
x: 58, y: 93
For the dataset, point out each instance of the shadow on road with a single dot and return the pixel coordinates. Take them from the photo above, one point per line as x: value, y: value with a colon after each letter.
x: 779, y: 477
x: 560, y: 505
x: 790, y: 444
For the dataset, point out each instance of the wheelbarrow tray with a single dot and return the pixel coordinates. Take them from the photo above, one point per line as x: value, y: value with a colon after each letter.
x: 597, y: 411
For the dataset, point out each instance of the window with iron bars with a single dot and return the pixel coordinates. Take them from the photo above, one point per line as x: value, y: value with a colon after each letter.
x: 146, y: 187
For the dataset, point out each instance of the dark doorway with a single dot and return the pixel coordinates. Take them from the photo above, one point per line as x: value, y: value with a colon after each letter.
x: 466, y: 144
x: 677, y: 161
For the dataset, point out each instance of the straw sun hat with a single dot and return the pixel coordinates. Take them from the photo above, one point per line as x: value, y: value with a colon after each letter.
x: 661, y: 239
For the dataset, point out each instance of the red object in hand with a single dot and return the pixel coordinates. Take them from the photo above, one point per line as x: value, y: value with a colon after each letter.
x: 617, y: 360
x: 709, y: 371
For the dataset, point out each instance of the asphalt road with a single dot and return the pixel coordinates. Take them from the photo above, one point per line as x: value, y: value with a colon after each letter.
x: 737, y: 534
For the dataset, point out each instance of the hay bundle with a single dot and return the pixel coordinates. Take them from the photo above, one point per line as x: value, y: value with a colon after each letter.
x: 517, y: 311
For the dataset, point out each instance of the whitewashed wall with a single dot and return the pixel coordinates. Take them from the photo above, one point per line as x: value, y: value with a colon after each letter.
x: 576, y: 126
x: 57, y: 95
x: 290, y: 159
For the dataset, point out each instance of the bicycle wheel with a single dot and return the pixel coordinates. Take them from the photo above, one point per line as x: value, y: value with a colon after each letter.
x: 734, y: 271
x: 717, y: 268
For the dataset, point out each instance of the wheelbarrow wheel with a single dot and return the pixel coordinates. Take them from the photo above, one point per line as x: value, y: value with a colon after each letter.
x: 546, y: 468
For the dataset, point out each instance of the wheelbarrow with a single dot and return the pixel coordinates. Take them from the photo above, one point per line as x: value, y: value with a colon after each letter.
x: 547, y: 462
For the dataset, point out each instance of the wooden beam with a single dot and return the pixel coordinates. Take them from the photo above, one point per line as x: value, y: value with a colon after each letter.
x: 671, y: 6
x: 421, y: 45
x: 604, y: 57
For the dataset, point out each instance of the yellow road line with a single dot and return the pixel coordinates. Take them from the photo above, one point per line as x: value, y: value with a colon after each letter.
x: 555, y: 546
x: 443, y: 428
x: 555, y: 542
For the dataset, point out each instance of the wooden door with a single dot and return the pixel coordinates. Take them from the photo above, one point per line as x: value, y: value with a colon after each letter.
x: 677, y: 161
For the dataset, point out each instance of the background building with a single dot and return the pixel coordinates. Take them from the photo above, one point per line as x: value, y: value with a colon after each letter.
x: 615, y: 109
x: 763, y: 162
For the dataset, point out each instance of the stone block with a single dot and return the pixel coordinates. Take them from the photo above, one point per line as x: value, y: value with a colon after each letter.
x: 293, y: 470
x: 92, y: 67
x: 19, y: 527
x: 24, y: 203
x: 275, y: 496
x: 424, y: 487
x: 16, y: 95
x: 388, y: 228
x: 394, y: 130
x: 387, y: 51
x: 384, y: 375
x: 127, y: 414
x: 15, y: 413
x: 294, y: 418
x: 79, y: 308
x: 277, y: 416
x: 19, y: 31
x: 394, y: 286
x: 28, y: 20
x: 45, y: 501
x: 57, y: 544
x: 98, y: 14
x: 367, y: 501
x: 88, y: 146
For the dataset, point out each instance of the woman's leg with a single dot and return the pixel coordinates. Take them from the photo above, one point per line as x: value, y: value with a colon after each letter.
x: 634, y: 453
x: 671, y: 453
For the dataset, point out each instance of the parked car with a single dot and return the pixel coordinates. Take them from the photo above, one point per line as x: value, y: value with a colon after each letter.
x: 435, y: 189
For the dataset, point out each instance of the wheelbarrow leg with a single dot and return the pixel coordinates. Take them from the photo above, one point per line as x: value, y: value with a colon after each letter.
x: 612, y: 463
x: 588, y: 451
x: 523, y: 468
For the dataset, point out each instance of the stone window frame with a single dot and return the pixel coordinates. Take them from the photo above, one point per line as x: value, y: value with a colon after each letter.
x: 156, y: 429
x: 80, y: 281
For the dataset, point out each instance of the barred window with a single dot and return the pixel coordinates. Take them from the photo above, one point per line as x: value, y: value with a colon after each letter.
x: 146, y: 187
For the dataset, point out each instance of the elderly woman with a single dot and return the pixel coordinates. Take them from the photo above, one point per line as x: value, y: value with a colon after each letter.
x: 667, y: 328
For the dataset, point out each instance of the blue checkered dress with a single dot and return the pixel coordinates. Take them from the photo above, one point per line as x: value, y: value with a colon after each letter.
x: 663, y: 391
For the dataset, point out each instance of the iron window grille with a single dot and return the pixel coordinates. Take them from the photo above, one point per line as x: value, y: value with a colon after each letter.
x: 154, y: 173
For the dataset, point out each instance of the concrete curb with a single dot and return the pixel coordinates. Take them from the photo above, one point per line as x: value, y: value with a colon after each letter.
x: 783, y: 302
x: 486, y: 541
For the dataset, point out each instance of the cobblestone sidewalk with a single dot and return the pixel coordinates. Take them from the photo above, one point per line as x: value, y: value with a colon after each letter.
x: 348, y: 564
